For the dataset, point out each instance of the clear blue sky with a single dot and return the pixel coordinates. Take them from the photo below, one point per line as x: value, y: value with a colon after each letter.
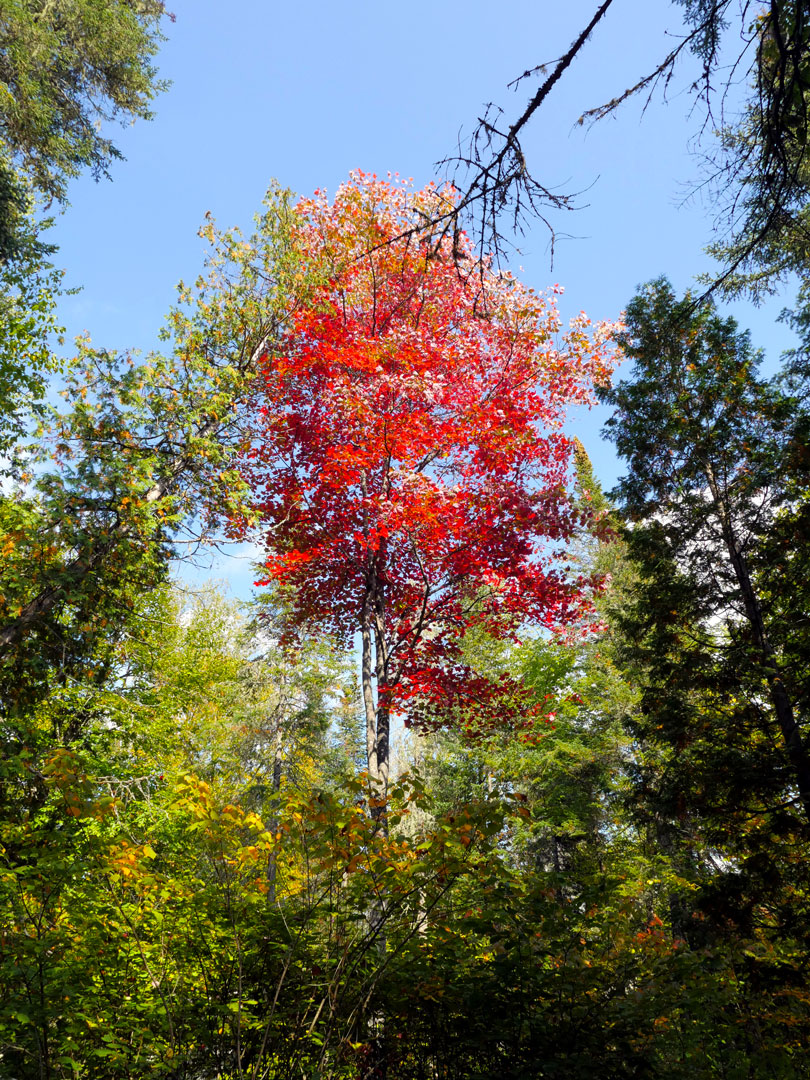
x: 306, y: 92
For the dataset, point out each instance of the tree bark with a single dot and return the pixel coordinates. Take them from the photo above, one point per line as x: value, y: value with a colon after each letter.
x: 377, y: 716
x: 367, y: 687
x: 381, y: 674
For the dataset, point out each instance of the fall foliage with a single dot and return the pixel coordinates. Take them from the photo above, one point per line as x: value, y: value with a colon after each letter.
x: 496, y: 775
x: 407, y: 462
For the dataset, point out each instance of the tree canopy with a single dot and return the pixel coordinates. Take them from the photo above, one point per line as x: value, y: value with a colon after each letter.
x: 406, y: 460
x: 68, y: 68
x: 496, y: 774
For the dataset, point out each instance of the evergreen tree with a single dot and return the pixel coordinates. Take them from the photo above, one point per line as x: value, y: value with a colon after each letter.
x: 68, y: 67
x: 721, y: 769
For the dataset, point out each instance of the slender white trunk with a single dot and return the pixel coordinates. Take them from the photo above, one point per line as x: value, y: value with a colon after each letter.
x: 378, y: 733
x: 369, y: 705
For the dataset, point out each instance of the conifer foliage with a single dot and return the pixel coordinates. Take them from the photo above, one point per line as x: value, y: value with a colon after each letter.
x: 711, y: 449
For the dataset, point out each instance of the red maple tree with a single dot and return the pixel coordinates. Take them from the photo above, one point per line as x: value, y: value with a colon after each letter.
x: 407, y: 460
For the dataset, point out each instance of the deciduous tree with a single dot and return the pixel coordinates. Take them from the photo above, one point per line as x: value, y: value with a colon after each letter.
x: 407, y: 460
x: 144, y: 448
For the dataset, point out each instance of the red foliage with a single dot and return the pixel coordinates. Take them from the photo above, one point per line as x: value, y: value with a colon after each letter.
x: 408, y: 461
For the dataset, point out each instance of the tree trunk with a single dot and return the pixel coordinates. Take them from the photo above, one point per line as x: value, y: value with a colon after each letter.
x: 274, y: 821
x: 369, y: 705
x: 383, y: 709
x: 375, y: 670
x: 377, y: 748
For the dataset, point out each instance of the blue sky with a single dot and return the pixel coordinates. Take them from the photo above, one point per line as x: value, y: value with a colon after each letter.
x: 306, y: 92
